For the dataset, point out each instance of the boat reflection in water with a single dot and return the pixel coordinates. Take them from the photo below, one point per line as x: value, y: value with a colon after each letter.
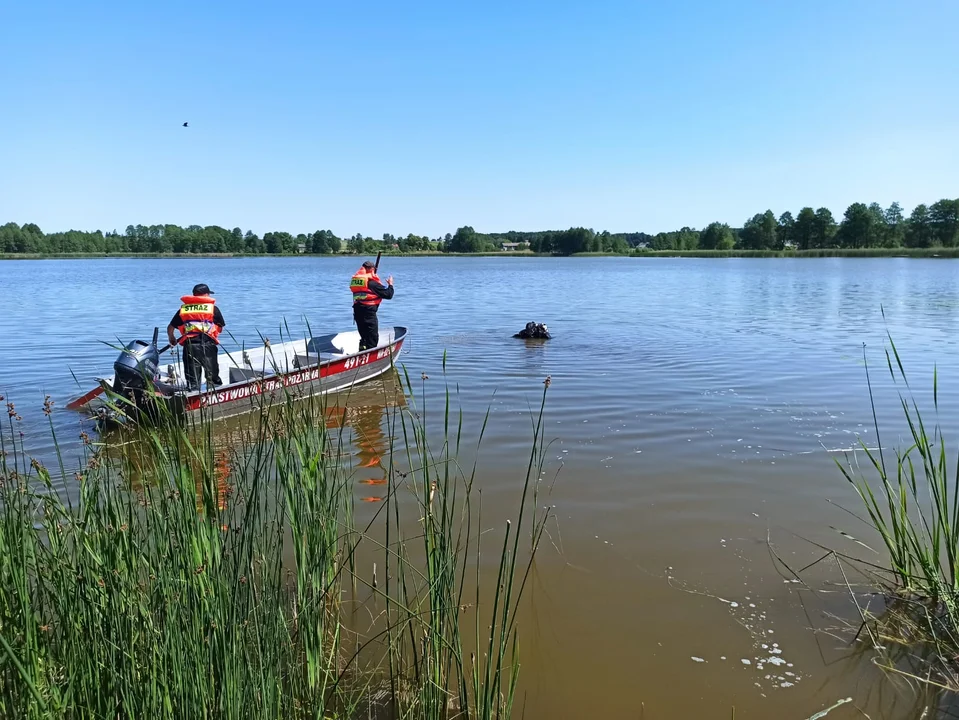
x: 368, y: 412
x: 357, y: 422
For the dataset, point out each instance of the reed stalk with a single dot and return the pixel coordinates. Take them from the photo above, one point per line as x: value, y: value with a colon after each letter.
x: 192, y: 580
x: 912, y: 501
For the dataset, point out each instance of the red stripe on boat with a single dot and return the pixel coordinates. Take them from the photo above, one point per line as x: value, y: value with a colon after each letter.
x: 298, y: 377
x: 84, y: 399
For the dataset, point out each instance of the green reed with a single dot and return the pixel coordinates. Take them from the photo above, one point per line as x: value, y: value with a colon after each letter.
x: 181, y: 586
x: 912, y: 502
x: 428, y: 606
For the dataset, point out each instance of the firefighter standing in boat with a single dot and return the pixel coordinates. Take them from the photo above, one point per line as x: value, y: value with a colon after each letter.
x: 199, y: 321
x: 368, y: 293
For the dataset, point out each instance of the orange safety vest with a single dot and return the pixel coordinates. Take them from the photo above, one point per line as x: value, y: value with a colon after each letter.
x: 197, y: 315
x: 362, y: 295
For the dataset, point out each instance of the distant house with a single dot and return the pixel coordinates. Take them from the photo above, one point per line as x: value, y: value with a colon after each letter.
x: 301, y: 248
x: 510, y: 247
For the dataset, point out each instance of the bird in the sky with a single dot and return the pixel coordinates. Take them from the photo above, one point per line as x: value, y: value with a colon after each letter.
x: 186, y: 124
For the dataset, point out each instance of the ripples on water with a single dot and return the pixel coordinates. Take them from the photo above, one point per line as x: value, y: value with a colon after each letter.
x: 694, y: 404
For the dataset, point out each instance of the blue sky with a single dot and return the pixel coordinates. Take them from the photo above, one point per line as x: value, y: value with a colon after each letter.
x: 420, y: 117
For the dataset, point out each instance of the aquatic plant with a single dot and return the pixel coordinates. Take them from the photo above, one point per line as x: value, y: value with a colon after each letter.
x: 192, y: 581
x: 912, y: 501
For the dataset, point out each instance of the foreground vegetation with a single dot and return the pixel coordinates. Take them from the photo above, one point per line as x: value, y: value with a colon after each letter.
x: 862, y: 226
x: 911, y: 500
x: 181, y: 585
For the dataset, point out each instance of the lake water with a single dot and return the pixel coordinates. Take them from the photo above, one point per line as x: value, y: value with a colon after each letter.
x: 697, y: 408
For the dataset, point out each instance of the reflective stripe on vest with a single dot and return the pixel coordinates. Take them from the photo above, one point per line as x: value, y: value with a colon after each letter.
x: 362, y: 295
x: 197, y: 316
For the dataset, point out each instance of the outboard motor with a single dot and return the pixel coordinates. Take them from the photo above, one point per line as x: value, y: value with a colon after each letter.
x: 138, y: 363
x: 137, y: 380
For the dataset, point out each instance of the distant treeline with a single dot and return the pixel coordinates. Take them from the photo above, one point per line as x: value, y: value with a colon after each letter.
x: 862, y: 226
x: 167, y: 239
x: 29, y: 239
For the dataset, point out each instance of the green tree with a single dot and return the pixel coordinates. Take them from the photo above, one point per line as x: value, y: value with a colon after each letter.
x: 594, y: 243
x: 895, y: 226
x: 333, y: 242
x: 858, y: 227
x: 944, y: 218
x: 33, y: 230
x: 136, y: 239
x: 273, y: 242
x: 279, y: 243
x: 785, y: 231
x: 919, y: 232
x: 357, y: 244
x: 11, y: 238
x: 176, y: 239
x: 414, y: 243
x: 254, y: 244
x: 825, y: 228
x: 662, y: 241
x: 687, y: 239
x: 877, y: 237
x: 616, y: 244
x: 195, y: 233
x: 466, y: 240
x: 574, y: 240
x: 804, y: 231
x: 113, y: 242
x: 759, y: 232
x: 717, y: 236
x: 540, y: 243
x: 214, y: 239
x: 235, y: 243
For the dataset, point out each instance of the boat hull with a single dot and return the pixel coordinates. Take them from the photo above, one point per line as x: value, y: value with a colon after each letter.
x: 295, y: 369
x: 328, y: 377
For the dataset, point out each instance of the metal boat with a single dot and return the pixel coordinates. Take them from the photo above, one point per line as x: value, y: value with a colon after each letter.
x: 252, y: 377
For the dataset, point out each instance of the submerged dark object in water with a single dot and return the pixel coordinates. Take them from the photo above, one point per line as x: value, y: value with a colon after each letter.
x: 534, y: 330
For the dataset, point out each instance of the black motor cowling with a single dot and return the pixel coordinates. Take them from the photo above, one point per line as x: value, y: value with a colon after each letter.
x: 137, y: 381
x: 137, y: 366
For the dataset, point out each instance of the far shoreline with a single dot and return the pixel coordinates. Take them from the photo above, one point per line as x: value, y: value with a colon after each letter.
x: 949, y: 253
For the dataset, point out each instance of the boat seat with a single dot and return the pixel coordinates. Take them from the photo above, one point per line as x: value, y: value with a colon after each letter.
x: 242, y: 374
x: 311, y: 359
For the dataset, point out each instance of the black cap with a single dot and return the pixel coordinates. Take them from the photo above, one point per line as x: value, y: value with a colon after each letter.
x: 202, y: 289
x: 368, y: 264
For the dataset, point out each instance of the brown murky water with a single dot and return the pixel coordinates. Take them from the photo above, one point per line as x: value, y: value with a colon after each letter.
x: 696, y: 411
